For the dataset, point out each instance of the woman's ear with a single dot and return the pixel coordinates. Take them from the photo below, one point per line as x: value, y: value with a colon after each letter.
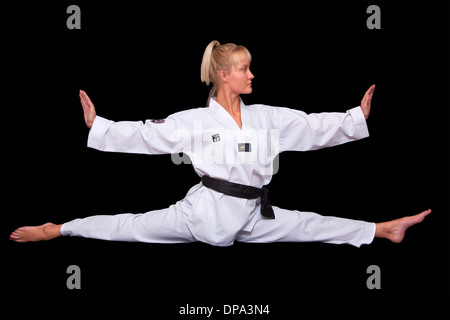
x: 223, y: 75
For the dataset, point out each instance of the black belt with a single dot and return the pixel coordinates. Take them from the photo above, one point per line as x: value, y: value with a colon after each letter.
x: 242, y: 191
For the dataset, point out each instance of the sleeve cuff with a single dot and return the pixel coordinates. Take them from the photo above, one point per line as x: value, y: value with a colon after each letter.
x: 98, y: 130
x: 361, y: 129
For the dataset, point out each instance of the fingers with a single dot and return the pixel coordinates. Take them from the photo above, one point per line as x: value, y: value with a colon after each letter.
x: 88, y: 109
x: 366, y: 101
x: 88, y: 99
x: 83, y: 101
x: 369, y: 93
x: 86, y: 103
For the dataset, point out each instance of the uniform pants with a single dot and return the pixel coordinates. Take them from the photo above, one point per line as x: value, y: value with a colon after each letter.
x: 170, y: 226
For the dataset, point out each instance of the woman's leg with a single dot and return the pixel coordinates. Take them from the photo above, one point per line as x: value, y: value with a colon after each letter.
x: 395, y: 230
x: 296, y: 226
x: 46, y: 231
x: 158, y: 226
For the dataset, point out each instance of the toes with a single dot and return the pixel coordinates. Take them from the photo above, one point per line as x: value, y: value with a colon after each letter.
x: 17, y: 231
x: 423, y: 214
x: 13, y: 237
x: 16, y: 234
x: 418, y: 218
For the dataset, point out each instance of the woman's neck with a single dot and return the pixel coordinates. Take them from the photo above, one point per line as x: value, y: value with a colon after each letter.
x: 232, y: 104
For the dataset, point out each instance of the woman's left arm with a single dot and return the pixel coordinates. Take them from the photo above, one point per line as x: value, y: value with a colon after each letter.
x: 366, y: 101
x: 301, y: 132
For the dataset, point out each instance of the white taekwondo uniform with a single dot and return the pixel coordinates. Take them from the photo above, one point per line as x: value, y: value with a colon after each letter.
x: 218, y: 148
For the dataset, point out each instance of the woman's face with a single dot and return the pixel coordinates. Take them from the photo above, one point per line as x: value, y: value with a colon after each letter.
x: 240, y: 78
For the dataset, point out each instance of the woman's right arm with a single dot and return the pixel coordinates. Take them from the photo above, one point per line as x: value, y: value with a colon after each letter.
x: 151, y: 137
x: 88, y: 109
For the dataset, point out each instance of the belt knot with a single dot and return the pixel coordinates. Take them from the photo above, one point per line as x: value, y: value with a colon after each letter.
x: 266, y: 207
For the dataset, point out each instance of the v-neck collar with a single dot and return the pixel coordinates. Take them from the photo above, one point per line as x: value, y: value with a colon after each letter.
x: 214, y: 105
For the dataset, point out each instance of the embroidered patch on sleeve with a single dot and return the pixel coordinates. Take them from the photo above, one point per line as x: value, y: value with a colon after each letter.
x: 157, y: 120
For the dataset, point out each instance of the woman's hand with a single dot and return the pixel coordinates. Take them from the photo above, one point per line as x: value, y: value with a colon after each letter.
x: 366, y: 100
x: 88, y: 108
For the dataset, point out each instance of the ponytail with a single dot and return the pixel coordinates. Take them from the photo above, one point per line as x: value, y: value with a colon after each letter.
x: 206, y: 62
x: 206, y: 73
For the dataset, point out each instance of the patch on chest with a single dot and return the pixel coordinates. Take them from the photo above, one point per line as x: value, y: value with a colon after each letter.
x: 244, y: 147
x: 216, y: 138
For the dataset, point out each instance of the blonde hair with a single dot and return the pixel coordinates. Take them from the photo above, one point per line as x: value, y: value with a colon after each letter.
x: 220, y: 57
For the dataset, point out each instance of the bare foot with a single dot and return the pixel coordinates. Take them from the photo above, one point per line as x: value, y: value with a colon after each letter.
x: 395, y: 230
x: 46, y: 231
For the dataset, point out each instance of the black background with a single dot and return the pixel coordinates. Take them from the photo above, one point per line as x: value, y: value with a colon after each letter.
x: 141, y: 60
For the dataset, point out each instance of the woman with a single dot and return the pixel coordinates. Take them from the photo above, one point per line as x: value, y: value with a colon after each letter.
x: 232, y: 147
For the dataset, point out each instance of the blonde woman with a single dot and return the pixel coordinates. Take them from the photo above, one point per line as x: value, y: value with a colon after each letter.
x: 232, y: 147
